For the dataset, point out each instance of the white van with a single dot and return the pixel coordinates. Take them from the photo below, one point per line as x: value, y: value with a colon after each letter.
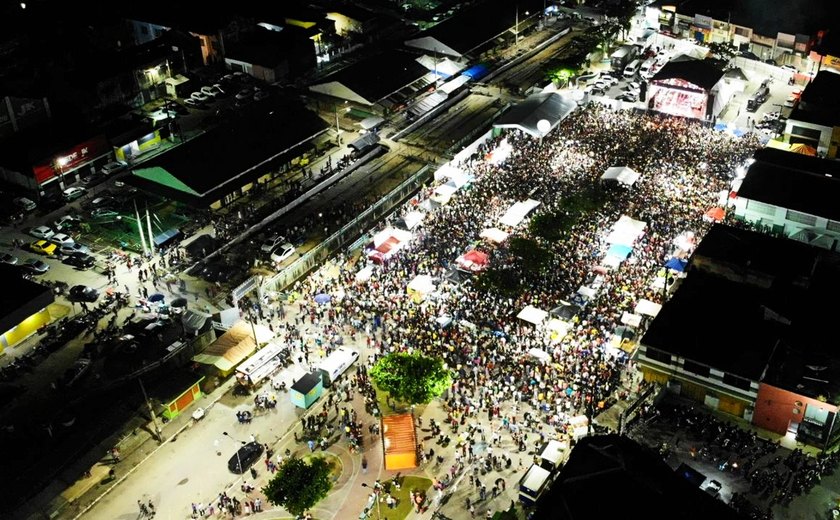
x: 631, y: 69
x: 647, y: 67
x: 336, y: 363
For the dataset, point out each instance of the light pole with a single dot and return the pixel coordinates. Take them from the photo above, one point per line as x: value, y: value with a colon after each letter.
x: 61, y: 162
x: 238, y: 460
x: 376, y: 489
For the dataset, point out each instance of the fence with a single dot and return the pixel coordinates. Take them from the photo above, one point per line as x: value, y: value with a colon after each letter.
x: 347, y: 234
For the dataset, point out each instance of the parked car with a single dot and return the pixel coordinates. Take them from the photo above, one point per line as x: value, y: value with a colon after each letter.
x: 244, y: 94
x: 75, y: 248
x: 35, y: 266
x: 42, y: 232
x: 62, y: 239
x: 245, y: 457
x: 283, y: 252
x: 66, y: 222
x: 83, y: 293
x: 260, y: 94
x: 103, y: 213
x: 193, y: 103
x: 200, y: 96
x: 101, y: 202
x: 79, y: 261
x: 114, y: 167
x: 212, y: 91
x: 271, y: 242
x: 43, y: 247
x: 73, y: 193
x: 8, y: 259
x: 25, y: 203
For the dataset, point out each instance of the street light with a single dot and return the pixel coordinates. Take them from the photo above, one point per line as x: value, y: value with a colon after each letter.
x: 238, y: 460
x: 62, y: 162
x: 376, y: 488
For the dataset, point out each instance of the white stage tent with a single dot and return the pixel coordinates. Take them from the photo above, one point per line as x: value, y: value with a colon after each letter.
x: 494, y: 235
x: 525, y: 116
x: 422, y: 283
x: 532, y: 314
x: 621, y: 174
x: 517, y: 213
x: 648, y: 308
x: 626, y: 231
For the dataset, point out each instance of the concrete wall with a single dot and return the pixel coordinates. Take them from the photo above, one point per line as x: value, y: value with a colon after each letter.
x: 776, y: 408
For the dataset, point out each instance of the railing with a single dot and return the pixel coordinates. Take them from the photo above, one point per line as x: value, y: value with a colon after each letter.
x: 347, y: 234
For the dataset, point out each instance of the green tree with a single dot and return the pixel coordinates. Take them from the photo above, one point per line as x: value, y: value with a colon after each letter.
x: 722, y: 50
x: 411, y: 378
x: 533, y: 256
x: 505, y: 281
x: 298, y: 484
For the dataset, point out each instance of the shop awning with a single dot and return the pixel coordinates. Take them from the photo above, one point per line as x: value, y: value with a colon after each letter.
x: 517, y: 213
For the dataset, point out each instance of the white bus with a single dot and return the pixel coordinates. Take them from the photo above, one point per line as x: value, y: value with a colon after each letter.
x: 631, y: 69
x: 533, y: 484
x: 336, y: 363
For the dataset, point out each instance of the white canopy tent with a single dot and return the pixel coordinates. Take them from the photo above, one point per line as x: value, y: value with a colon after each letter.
x: 517, y: 213
x: 444, y: 67
x: 364, y: 274
x: 422, y: 283
x: 542, y: 355
x: 494, y: 235
x: 387, y: 233
x: 621, y: 174
x: 413, y: 218
x: 626, y: 231
x: 632, y: 320
x: 587, y: 292
x: 647, y: 308
x: 532, y: 315
x: 446, y: 190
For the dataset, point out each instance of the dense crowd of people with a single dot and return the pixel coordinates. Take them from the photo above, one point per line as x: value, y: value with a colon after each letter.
x: 684, y: 167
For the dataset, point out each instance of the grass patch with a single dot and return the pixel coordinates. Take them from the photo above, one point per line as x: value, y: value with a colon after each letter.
x: 404, y: 505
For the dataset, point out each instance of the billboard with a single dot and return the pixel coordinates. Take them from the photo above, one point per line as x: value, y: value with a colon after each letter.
x: 70, y: 159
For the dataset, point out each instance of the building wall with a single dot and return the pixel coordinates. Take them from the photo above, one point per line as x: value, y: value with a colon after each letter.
x: 778, y: 220
x: 823, y: 145
x: 144, y: 32
x: 776, y: 409
x: 25, y: 329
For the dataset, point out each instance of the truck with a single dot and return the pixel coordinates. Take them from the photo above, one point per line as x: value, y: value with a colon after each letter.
x: 336, y: 363
x: 624, y: 55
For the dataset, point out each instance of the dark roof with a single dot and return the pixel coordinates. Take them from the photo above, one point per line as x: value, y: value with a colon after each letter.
x: 697, y: 72
x: 819, y: 103
x: 23, y: 150
x: 549, y: 106
x: 715, y: 322
x: 482, y: 22
x: 792, y: 188
x: 176, y: 382
x: 377, y: 76
x: 21, y: 298
x: 307, y: 382
x: 259, y: 46
x: 637, y: 482
x: 797, y: 161
x: 187, y: 15
x: 754, y: 306
x: 231, y: 155
x: 793, y: 16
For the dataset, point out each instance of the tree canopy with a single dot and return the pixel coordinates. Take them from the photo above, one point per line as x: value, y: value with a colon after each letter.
x: 411, y: 378
x: 298, y: 484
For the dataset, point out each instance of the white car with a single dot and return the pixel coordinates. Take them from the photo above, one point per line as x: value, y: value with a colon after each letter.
x: 42, y: 232
x: 113, y: 167
x: 200, y: 96
x: 271, y: 242
x: 62, y: 239
x: 73, y: 249
x: 25, y: 204
x: 213, y: 92
x: 194, y: 103
x: 283, y: 252
x: 73, y: 193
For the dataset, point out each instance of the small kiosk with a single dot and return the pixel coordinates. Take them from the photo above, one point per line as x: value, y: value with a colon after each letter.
x: 307, y: 390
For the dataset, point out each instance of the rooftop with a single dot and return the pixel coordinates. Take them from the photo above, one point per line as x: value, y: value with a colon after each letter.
x: 798, y: 182
x: 375, y: 77
x: 754, y: 306
x: 640, y: 485
x: 21, y: 298
x: 793, y: 16
x: 548, y: 106
x: 262, y: 136
x: 698, y: 72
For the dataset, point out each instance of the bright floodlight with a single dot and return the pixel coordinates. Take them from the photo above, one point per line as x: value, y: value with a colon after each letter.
x: 543, y: 125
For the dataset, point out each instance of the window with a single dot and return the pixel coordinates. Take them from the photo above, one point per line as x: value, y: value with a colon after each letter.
x: 695, y: 368
x: 658, y: 355
x: 833, y: 226
x: 801, y: 218
x: 742, y: 31
x: 760, y: 207
x: 737, y: 382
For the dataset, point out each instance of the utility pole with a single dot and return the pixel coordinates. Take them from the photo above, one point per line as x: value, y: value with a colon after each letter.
x: 516, y: 29
x: 337, y: 127
x: 158, y: 431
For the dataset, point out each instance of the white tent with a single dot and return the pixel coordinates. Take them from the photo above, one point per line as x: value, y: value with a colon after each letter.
x: 422, y: 283
x: 621, y: 175
x: 626, y: 231
x: 542, y: 355
x: 517, y: 213
x: 632, y: 320
x: 443, y: 66
x: 587, y: 292
x: 387, y: 233
x: 532, y: 315
x: 494, y: 235
x: 648, y: 308
x: 413, y: 218
x: 364, y: 274
x: 448, y: 171
x: 446, y: 190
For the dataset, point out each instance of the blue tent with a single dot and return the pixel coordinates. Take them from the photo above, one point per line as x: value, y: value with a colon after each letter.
x: 676, y: 264
x: 477, y: 71
x: 620, y: 251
